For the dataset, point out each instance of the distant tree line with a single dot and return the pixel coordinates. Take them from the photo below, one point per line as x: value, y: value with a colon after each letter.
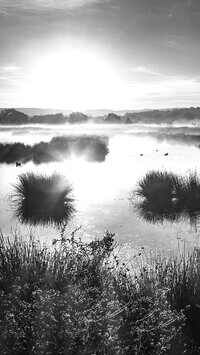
x: 169, y: 116
x: 164, y: 116
x: 14, y: 117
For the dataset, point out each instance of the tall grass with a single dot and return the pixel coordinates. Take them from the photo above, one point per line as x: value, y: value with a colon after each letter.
x: 156, y: 184
x: 76, y: 298
x: 188, y: 191
x: 41, y: 199
x: 179, y: 276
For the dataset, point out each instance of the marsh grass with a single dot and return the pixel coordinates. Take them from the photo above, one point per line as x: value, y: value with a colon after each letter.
x: 77, y: 298
x: 188, y: 192
x: 41, y: 199
x: 12, y: 152
x: 154, y: 183
x: 166, y: 196
x: 179, y: 276
x: 91, y: 148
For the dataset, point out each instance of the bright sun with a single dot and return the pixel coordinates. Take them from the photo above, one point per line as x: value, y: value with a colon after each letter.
x: 71, y: 79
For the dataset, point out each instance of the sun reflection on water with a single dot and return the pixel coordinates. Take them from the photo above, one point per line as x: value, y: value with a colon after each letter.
x: 101, y: 190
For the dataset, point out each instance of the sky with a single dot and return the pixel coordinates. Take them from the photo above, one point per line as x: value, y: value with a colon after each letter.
x: 98, y: 54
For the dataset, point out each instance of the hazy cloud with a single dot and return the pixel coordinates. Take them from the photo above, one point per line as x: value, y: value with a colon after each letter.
x: 153, y: 45
x: 11, y: 74
x: 10, y: 69
x: 146, y: 70
x: 184, y: 7
x: 10, y: 6
x: 8, y: 80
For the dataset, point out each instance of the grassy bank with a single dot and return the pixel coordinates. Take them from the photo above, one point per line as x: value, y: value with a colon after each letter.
x: 77, y: 298
x: 91, y: 148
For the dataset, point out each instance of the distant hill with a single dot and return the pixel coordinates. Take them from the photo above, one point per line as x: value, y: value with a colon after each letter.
x: 41, y: 111
x: 12, y: 116
x: 31, y: 111
x: 104, y: 112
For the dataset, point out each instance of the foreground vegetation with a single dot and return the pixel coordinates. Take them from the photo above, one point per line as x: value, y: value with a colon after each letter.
x: 77, y: 298
x: 167, y: 196
x: 92, y: 148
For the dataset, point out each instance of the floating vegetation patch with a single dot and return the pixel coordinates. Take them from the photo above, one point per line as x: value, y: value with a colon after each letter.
x: 46, y: 200
x: 165, y: 196
x: 91, y: 148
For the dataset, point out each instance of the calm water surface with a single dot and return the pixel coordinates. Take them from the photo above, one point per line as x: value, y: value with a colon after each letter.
x: 102, y: 190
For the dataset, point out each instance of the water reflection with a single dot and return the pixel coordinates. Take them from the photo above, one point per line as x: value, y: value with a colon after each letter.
x: 102, y: 189
x: 156, y: 213
x: 165, y: 196
x: 44, y: 200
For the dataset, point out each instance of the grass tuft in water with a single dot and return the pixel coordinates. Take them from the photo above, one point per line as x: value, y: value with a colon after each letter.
x: 41, y: 199
x: 167, y: 196
x: 155, y: 182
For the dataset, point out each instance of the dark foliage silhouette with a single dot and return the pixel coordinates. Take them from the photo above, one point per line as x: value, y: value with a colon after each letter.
x: 166, y: 196
x: 40, y: 199
x: 12, y: 152
x: 92, y: 148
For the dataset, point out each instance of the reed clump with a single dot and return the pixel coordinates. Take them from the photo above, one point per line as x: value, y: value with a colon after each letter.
x: 42, y: 199
x: 91, y: 148
x: 167, y: 196
x: 154, y: 183
x: 188, y: 191
x: 12, y: 152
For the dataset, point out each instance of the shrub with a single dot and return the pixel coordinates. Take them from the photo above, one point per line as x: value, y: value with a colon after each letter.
x: 43, y: 199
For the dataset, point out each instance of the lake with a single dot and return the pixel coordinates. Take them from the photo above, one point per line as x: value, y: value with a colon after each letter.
x: 102, y: 190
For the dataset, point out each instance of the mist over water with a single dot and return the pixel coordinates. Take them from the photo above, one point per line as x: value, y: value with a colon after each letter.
x: 102, y: 190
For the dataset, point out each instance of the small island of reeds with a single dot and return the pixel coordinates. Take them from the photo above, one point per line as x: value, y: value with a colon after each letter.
x: 42, y: 199
x: 167, y: 196
x: 91, y: 148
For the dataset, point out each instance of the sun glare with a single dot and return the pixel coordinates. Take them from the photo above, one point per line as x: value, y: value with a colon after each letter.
x: 71, y: 79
